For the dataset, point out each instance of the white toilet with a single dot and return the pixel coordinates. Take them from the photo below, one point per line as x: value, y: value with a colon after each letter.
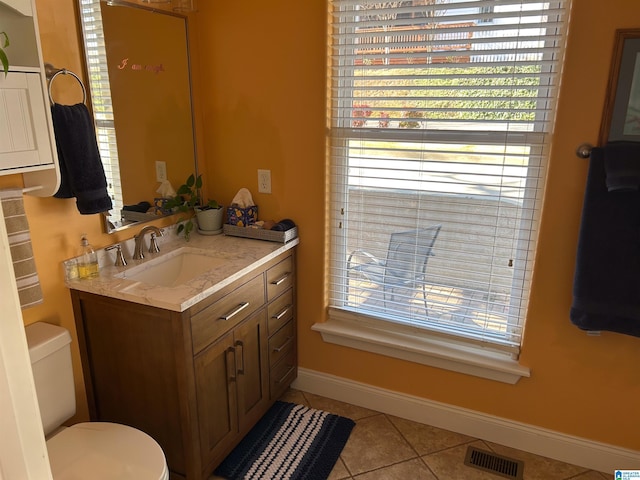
x: 95, y: 450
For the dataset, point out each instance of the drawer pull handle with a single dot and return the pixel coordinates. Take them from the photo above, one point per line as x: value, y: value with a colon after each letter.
x: 281, y: 347
x: 281, y: 314
x: 231, y: 357
x: 235, y: 311
x: 240, y: 346
x: 280, y: 280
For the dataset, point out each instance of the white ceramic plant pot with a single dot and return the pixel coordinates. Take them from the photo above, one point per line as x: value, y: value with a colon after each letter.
x: 210, y: 220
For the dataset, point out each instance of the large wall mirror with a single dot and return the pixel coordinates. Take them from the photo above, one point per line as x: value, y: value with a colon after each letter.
x: 139, y: 79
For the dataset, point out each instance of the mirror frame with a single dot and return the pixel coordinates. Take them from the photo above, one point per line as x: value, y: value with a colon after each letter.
x: 620, y: 90
x: 108, y: 225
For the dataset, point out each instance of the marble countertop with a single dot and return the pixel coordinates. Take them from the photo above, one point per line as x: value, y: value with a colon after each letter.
x: 241, y: 255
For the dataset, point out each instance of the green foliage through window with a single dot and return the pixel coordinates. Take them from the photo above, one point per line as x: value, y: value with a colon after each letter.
x: 506, y: 93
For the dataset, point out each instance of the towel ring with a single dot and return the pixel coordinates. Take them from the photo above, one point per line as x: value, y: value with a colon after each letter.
x: 52, y: 72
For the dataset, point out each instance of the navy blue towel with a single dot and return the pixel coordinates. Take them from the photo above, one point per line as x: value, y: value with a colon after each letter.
x: 622, y: 165
x: 606, y: 288
x: 81, y: 171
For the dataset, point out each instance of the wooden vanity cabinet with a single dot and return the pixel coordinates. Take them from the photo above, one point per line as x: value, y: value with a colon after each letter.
x: 281, y: 326
x: 232, y: 387
x: 196, y: 381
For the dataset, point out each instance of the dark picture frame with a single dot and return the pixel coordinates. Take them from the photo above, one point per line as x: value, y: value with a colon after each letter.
x: 621, y: 118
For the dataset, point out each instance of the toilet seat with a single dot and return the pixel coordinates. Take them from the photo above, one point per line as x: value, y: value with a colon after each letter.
x: 105, y: 451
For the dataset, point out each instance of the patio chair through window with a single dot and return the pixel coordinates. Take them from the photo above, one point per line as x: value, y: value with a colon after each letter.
x: 405, y: 266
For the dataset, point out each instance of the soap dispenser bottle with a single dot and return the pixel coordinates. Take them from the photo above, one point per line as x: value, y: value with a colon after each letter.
x: 87, y: 260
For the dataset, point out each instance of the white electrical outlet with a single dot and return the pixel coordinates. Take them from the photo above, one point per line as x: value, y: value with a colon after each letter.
x: 264, y: 181
x: 161, y: 171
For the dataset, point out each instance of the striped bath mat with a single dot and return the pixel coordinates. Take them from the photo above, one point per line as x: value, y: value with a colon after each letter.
x: 291, y: 442
x: 24, y: 264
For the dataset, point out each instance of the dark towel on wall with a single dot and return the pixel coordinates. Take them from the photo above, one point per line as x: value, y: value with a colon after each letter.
x: 81, y: 170
x: 606, y: 289
x: 622, y: 165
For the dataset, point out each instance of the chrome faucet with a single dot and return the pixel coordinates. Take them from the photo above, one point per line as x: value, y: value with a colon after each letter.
x: 120, y: 260
x: 138, y: 251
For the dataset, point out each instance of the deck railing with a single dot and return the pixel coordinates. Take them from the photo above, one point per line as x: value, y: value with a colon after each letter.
x: 414, y: 44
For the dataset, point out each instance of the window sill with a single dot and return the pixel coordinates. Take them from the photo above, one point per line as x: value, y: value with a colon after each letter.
x: 348, y: 329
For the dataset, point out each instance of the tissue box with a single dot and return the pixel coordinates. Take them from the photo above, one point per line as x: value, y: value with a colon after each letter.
x: 160, y: 206
x: 242, y: 217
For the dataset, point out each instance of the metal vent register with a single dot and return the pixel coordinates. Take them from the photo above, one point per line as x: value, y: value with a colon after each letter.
x: 490, y: 462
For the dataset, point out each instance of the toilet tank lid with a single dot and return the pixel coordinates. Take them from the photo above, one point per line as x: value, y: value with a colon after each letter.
x: 44, y: 339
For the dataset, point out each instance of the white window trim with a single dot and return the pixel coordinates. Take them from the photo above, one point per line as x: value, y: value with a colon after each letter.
x: 354, y: 330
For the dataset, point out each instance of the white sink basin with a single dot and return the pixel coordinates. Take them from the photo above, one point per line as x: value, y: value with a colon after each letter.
x: 174, y: 268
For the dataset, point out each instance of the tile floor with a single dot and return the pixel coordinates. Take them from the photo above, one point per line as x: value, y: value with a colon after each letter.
x: 384, y: 447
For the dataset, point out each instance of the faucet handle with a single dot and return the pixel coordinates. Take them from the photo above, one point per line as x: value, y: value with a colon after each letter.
x: 153, y: 244
x: 120, y: 261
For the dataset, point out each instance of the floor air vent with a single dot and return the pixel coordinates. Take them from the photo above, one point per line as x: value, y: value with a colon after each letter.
x: 490, y: 462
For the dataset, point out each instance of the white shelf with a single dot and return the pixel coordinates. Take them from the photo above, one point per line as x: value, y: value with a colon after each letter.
x: 27, y: 142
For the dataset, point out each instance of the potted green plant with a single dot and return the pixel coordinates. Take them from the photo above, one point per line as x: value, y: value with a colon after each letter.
x: 188, y: 198
x: 4, y: 43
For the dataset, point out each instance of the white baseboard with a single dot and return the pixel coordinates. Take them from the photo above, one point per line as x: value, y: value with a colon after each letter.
x: 540, y: 441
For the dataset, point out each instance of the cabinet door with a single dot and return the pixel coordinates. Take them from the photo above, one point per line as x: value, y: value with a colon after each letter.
x: 251, y: 344
x: 215, y: 370
x: 24, y: 131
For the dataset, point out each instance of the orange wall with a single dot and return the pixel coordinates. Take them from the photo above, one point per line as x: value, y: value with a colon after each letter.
x: 262, y: 78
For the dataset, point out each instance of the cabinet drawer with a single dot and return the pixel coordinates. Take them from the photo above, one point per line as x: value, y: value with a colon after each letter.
x: 280, y: 311
x: 281, y: 343
x: 279, y: 278
x: 283, y: 374
x: 226, y: 313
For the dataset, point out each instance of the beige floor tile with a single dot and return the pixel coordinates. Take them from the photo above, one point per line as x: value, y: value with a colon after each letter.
x: 338, y: 408
x: 374, y: 443
x: 427, y: 439
x: 449, y: 464
x: 339, y: 472
x: 413, y: 469
x: 537, y: 467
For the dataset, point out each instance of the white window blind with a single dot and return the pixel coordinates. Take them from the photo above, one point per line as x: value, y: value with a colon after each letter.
x: 99, y: 87
x: 441, y: 112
